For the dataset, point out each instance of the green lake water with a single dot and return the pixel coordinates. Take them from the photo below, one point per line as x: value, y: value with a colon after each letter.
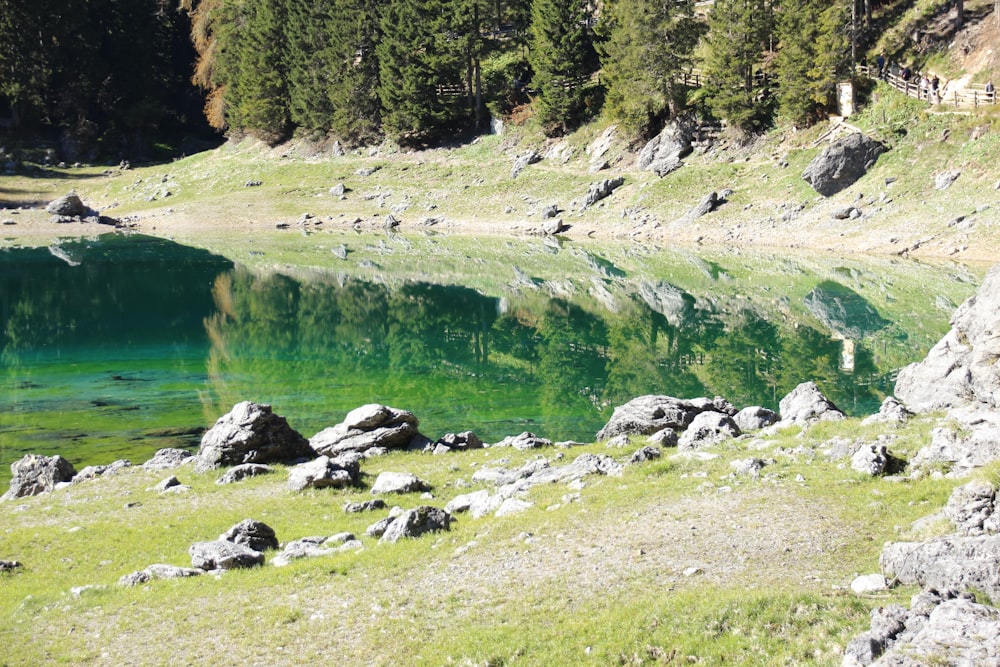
x: 117, y: 346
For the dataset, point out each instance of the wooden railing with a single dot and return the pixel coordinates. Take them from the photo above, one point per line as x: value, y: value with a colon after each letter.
x: 973, y: 95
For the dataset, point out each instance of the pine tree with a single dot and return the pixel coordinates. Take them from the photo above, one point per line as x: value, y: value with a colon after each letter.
x: 420, y: 80
x: 738, y: 33
x: 353, y: 90
x: 813, y: 54
x: 25, y: 65
x: 647, y: 44
x: 562, y: 56
x: 257, y: 74
x: 312, y: 64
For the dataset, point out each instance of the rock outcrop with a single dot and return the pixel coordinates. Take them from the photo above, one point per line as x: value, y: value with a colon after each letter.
x: 33, y: 474
x: 842, y: 163
x: 664, y: 152
x: 255, y: 534
x: 961, y: 374
x: 251, y: 433
x: 646, y: 415
x: 223, y: 555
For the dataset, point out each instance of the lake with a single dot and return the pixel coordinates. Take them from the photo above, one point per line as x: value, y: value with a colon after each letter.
x: 116, y: 346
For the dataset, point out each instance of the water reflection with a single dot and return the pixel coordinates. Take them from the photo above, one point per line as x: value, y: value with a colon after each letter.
x: 120, y: 347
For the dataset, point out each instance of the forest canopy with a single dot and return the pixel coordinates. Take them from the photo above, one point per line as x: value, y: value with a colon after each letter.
x: 119, y: 73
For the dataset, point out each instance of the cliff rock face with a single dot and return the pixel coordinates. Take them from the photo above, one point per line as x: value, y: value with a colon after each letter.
x: 961, y: 369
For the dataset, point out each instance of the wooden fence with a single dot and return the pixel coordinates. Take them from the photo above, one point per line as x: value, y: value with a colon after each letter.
x: 973, y: 95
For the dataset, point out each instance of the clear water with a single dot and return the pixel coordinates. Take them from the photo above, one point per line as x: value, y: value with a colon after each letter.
x: 116, y: 347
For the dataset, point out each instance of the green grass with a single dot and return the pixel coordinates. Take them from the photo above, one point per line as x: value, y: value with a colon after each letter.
x: 596, y: 580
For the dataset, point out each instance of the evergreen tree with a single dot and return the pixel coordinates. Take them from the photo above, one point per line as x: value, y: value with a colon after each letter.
x: 312, y: 63
x: 562, y: 56
x: 738, y: 33
x: 257, y: 85
x: 24, y: 57
x: 646, y: 45
x: 420, y: 67
x: 813, y: 55
x: 353, y: 90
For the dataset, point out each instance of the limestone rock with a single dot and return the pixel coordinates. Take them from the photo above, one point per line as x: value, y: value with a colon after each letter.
x: 254, y: 534
x: 873, y: 459
x: 324, y: 472
x: 962, y: 563
x: 170, y: 457
x: 754, y: 418
x: 842, y: 163
x: 646, y: 415
x: 869, y: 583
x: 601, y: 190
x: 944, y: 179
x: 973, y: 509
x: 522, y: 161
x: 890, y: 412
x: 645, y: 454
x: 223, y: 555
x: 417, y: 522
x: 244, y: 471
x: 664, y: 153
x: 33, y: 474
x: 369, y: 426
x: 251, y: 433
x: 158, y: 571
x: 93, y: 472
x: 365, y: 506
x: 962, y: 367
x: 67, y: 206
x: 465, y: 501
x: 806, y: 404
x: 399, y: 482
x: 523, y: 441
x: 461, y: 441
x: 707, y: 429
x: 666, y: 437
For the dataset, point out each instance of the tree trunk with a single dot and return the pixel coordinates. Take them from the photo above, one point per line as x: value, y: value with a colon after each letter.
x: 959, y: 13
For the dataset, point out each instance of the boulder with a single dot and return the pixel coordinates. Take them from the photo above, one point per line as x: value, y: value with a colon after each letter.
x: 523, y: 441
x: 601, y: 190
x: 365, y: 506
x: 399, y: 482
x: 167, y: 484
x: 462, y: 441
x: 33, y: 474
x: 417, y: 522
x: 93, y: 472
x: 707, y: 429
x: 244, y: 471
x: 842, y: 163
x: 943, y: 180
x: 890, y: 412
x: 754, y: 418
x: 466, y: 501
x: 67, y: 206
x: 158, y: 571
x: 251, y: 433
x: 750, y: 467
x: 522, y: 161
x: 869, y: 583
x: 873, y: 459
x: 223, y: 555
x: 369, y: 426
x: 962, y: 450
x: 554, y: 226
x: 663, y: 154
x: 378, y: 528
x: 706, y: 205
x: 646, y: 415
x: 645, y: 454
x: 323, y: 472
x: 254, y: 534
x: 170, y: 457
x: 806, y: 404
x: 958, y: 562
